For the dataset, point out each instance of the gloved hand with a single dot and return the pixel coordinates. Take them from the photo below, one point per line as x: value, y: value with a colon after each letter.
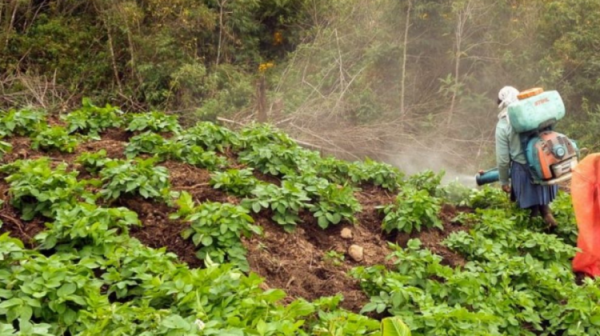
x: 506, y: 188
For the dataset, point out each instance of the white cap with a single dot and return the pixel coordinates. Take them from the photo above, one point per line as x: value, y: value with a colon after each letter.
x: 507, y: 96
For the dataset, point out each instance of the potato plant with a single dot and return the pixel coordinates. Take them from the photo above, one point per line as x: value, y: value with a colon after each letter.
x: 216, y: 229
x: 56, y: 138
x: 137, y: 177
x: 91, y: 119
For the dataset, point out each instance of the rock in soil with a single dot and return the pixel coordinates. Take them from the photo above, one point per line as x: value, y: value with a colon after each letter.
x: 346, y: 233
x: 356, y: 252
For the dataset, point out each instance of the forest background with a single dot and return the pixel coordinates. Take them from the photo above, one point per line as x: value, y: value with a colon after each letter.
x: 410, y: 82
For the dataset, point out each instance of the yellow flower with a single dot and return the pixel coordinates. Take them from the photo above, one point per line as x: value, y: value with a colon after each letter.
x: 265, y: 66
x: 277, y: 38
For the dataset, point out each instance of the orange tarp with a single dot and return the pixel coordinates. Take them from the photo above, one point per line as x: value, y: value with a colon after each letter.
x: 585, y: 192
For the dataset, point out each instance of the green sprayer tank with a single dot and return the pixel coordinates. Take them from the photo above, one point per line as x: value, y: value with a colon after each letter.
x: 536, y: 112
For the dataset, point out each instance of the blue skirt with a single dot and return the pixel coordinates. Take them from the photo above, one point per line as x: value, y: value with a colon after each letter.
x: 524, y: 192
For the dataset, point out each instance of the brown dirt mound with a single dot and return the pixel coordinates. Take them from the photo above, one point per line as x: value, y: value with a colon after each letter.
x: 115, y: 149
x: 158, y: 230
x: 12, y: 223
x: 116, y: 134
x: 296, y: 262
x: 194, y: 180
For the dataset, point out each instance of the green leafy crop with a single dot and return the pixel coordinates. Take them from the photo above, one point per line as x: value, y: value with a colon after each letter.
x: 91, y: 119
x: 332, y: 203
x: 147, y: 142
x: 87, y: 225
x: 277, y: 159
x: 217, y: 229
x: 239, y: 182
x: 93, y: 162
x: 22, y: 122
x: 377, y: 173
x: 153, y: 121
x: 5, y: 147
x: 285, y: 202
x: 55, y: 137
x: 36, y: 188
x: 426, y: 180
x: 138, y: 177
x: 210, y: 137
x: 412, y: 210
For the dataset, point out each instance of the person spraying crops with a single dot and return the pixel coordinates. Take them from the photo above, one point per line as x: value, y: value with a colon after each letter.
x: 531, y: 158
x: 510, y: 154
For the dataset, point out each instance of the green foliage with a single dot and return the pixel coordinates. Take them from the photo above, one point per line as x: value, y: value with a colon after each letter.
x: 334, y: 257
x: 277, y: 159
x: 377, y: 173
x: 262, y: 135
x: 333, y: 321
x: 216, y: 228
x: 138, y: 177
x: 36, y: 188
x: 393, y: 326
x: 55, y: 137
x: 284, y: 202
x: 91, y: 119
x: 489, y: 197
x: 334, y: 170
x: 210, y: 137
x: 413, y: 209
x: 332, y: 203
x: 239, y: 182
x: 5, y: 147
x: 149, y: 143
x: 93, y: 162
x: 562, y: 208
x: 86, y: 225
x: 426, y: 180
x: 25, y: 122
x: 196, y: 156
x: 154, y: 122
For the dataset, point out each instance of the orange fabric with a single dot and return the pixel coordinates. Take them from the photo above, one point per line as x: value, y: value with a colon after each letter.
x: 585, y: 192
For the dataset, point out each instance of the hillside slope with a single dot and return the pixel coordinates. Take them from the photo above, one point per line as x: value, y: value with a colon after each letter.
x: 447, y: 260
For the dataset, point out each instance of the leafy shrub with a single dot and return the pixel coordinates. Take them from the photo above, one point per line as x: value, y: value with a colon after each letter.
x: 138, y: 177
x: 196, y: 156
x: 285, y: 202
x: 239, y: 182
x: 489, y: 197
x: 377, y: 173
x: 412, y: 210
x: 55, y: 137
x: 332, y: 203
x: 334, y: 170
x: 279, y: 160
x: 49, y: 288
x: 154, y: 122
x: 217, y: 229
x: 86, y: 225
x: 92, y: 119
x: 562, y: 209
x: 209, y: 136
x: 36, y: 188
x: 147, y: 142
x: 22, y: 122
x: 426, y: 180
x: 261, y: 135
x: 5, y: 147
x: 93, y: 162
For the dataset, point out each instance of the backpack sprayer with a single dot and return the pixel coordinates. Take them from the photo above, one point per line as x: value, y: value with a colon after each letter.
x: 551, y: 156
